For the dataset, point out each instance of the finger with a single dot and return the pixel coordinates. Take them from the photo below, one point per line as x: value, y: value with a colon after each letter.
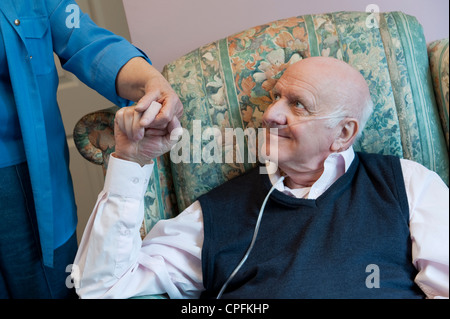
x: 119, y: 120
x: 150, y: 114
x: 155, y: 132
x: 127, y: 123
x: 178, y: 107
x: 171, y: 108
x: 137, y: 128
x: 145, y: 102
x: 162, y: 119
x: 175, y: 129
x: 130, y: 128
x: 174, y: 124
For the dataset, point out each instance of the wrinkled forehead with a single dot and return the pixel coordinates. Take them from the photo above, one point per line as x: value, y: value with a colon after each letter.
x: 296, y: 87
x: 319, y: 70
x: 325, y: 68
x: 326, y: 79
x: 307, y: 85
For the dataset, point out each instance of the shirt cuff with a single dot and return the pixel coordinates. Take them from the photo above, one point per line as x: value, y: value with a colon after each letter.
x: 126, y: 178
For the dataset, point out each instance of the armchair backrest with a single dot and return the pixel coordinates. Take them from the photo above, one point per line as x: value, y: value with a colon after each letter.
x: 227, y: 83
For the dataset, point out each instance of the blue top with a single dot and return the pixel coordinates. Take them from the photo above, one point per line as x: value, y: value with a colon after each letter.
x: 11, y: 145
x: 31, y: 127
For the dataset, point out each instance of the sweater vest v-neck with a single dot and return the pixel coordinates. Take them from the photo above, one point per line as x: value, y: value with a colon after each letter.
x: 353, y: 241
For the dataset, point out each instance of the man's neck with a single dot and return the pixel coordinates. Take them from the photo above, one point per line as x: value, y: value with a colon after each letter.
x: 303, y: 179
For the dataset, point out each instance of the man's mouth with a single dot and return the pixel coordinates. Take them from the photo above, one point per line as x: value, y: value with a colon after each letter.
x: 279, y: 132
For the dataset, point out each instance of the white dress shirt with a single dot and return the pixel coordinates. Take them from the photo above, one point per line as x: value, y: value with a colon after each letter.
x: 113, y: 261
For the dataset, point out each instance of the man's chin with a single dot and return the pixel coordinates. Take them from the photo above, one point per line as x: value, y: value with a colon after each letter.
x: 270, y: 158
x: 269, y: 167
x: 268, y: 153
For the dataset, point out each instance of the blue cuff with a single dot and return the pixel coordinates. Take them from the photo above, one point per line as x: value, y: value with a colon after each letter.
x: 109, y: 66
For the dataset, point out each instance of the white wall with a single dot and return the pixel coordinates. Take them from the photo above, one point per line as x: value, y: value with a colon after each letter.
x: 167, y: 29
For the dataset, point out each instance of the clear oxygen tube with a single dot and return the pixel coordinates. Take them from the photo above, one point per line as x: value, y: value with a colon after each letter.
x: 284, y: 128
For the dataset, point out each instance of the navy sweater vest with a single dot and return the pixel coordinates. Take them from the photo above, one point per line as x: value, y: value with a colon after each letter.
x: 351, y: 242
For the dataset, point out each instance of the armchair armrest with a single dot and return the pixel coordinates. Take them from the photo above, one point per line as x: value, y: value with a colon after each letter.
x: 439, y: 65
x: 94, y: 136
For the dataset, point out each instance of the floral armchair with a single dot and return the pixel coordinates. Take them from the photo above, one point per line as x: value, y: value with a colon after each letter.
x: 226, y: 84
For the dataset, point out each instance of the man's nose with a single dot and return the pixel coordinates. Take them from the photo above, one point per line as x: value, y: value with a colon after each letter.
x: 275, y: 114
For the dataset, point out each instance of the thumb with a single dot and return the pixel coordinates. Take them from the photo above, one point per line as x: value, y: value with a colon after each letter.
x: 175, y: 130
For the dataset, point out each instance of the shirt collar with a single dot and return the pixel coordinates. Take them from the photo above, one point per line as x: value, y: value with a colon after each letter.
x: 335, y: 165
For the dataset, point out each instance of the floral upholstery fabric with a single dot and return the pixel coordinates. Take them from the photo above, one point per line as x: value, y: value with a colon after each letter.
x: 439, y: 55
x: 227, y: 84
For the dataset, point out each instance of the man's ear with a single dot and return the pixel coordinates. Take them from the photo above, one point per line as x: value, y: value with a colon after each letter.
x: 346, y: 135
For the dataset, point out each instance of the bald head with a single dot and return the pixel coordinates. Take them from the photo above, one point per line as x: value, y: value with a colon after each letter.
x: 340, y: 88
x: 333, y: 69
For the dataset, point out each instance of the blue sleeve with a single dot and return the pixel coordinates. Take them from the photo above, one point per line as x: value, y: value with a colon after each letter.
x: 95, y: 55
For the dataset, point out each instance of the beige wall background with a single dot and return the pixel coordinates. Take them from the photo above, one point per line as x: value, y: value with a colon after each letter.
x: 167, y: 29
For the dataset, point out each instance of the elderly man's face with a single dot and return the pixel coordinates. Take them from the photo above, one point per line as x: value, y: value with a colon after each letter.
x: 300, y: 110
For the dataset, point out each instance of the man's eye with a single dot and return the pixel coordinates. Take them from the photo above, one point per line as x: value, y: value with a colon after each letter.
x: 276, y: 97
x: 300, y: 105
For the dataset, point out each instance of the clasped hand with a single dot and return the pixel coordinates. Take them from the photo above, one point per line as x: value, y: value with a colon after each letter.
x: 137, y: 140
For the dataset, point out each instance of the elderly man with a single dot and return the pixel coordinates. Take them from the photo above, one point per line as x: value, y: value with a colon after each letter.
x: 341, y: 224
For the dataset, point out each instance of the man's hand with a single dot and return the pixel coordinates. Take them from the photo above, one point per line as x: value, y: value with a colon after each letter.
x: 142, y: 143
